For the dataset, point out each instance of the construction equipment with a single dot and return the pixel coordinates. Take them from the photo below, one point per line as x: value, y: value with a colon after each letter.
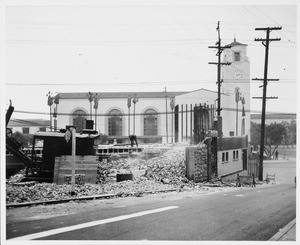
x: 14, y: 147
x: 40, y: 167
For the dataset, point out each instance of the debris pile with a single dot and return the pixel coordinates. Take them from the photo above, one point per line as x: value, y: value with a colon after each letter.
x: 169, y: 167
x: 49, y: 191
x: 165, y: 165
x: 156, y: 169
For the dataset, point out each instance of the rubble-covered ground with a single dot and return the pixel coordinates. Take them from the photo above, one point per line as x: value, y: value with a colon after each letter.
x: 156, y: 169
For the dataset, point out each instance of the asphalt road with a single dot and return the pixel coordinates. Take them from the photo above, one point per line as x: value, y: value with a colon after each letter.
x: 243, y: 214
x: 284, y: 170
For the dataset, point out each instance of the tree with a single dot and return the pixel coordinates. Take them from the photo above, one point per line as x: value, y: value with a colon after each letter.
x: 255, y: 133
x: 292, y: 132
x: 274, y: 135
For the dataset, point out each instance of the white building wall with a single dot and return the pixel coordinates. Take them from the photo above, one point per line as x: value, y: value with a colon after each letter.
x: 208, y: 97
x: 232, y: 165
x: 68, y: 106
x: 32, y: 129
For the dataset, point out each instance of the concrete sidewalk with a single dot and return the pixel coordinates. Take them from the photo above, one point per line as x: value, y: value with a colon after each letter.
x: 287, y: 233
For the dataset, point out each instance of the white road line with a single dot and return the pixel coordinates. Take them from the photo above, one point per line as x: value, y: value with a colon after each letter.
x: 90, y: 224
x: 239, y: 195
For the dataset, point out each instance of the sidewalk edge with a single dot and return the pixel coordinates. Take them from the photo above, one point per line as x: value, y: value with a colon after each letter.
x: 283, y: 231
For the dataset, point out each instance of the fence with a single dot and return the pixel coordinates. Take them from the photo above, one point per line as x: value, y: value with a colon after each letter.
x: 193, y: 121
x: 253, y: 165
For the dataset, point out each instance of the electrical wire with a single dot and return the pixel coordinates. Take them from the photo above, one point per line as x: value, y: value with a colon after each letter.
x: 142, y: 83
x: 141, y: 114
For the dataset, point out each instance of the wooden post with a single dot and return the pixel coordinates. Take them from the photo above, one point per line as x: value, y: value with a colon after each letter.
x: 186, y: 121
x: 172, y: 127
x: 96, y: 119
x: 191, y: 124
x: 73, y: 131
x: 182, y: 123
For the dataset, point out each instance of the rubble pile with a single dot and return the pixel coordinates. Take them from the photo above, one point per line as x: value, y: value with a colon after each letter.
x: 165, y: 169
x: 107, y: 170
x: 49, y: 191
x: 169, y: 167
x: 166, y: 165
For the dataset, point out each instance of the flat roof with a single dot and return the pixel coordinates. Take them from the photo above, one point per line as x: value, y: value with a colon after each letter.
x: 117, y: 95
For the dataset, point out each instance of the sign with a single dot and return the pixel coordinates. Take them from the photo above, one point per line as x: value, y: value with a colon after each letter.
x: 68, y: 135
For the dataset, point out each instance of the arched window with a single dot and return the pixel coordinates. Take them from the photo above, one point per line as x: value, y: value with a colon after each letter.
x: 115, y: 123
x: 79, y: 119
x: 150, y: 122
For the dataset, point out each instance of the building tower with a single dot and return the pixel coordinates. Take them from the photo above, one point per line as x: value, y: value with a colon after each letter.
x: 236, y: 77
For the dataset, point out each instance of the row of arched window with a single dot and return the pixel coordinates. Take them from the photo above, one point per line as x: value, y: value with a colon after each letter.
x: 115, y: 121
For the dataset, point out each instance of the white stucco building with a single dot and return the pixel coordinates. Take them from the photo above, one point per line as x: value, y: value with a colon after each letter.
x: 151, y: 120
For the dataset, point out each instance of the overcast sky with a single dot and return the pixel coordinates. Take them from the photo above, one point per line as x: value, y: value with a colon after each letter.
x: 132, y: 47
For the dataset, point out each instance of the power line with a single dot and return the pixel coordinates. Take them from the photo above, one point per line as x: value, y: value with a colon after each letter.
x: 127, y: 42
x: 196, y: 81
x: 126, y: 114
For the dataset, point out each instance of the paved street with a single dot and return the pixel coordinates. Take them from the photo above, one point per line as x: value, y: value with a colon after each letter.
x: 235, y: 214
x: 284, y: 170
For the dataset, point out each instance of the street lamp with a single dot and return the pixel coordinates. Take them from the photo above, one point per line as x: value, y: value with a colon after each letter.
x: 96, y: 99
x: 129, y: 105
x: 134, y: 100
x: 172, y: 105
x: 243, y: 116
x: 237, y: 99
x: 56, y: 102
x: 50, y: 103
x: 90, y: 98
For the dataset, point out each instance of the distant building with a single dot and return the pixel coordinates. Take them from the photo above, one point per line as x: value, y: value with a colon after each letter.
x: 29, y: 126
x: 274, y: 117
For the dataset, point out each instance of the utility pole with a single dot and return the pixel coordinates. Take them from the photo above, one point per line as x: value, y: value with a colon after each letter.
x: 265, y: 42
x: 219, y: 64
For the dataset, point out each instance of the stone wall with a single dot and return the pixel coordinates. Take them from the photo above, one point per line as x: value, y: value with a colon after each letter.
x: 196, y: 163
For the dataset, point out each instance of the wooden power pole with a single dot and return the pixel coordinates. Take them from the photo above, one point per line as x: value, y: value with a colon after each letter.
x: 265, y: 42
x: 219, y: 64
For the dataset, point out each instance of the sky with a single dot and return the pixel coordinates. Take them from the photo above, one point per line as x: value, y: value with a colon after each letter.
x: 135, y: 47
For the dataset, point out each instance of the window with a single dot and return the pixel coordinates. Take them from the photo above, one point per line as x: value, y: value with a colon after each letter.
x: 225, y: 157
x: 150, y: 122
x: 42, y: 129
x: 115, y: 123
x: 237, y: 56
x: 235, y: 155
x: 231, y: 133
x: 25, y: 130
x: 79, y: 117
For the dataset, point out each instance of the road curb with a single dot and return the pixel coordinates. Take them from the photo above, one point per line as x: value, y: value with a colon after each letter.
x: 283, y: 231
x: 49, y: 202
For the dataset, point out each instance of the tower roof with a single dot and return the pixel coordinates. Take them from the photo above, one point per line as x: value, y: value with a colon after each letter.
x: 235, y: 43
